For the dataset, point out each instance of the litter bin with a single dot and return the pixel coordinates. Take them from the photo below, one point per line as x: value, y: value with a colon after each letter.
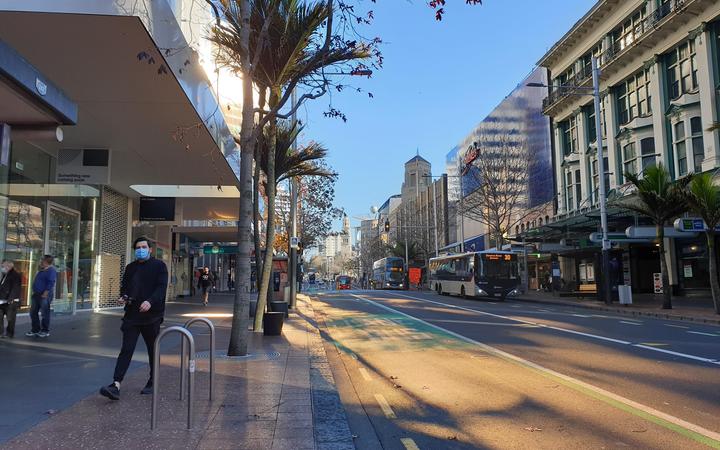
x: 625, y: 293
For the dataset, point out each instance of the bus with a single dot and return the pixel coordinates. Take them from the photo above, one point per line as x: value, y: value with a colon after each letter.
x: 388, y: 273
x: 343, y: 282
x: 488, y: 273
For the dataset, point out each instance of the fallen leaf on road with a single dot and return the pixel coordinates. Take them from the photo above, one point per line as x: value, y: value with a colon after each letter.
x: 553, y: 386
x: 452, y: 438
x: 393, y: 377
x: 397, y: 386
x: 640, y: 431
x: 425, y: 388
x: 533, y: 429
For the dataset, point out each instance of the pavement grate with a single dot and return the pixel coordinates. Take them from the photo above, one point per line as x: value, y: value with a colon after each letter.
x: 249, y: 357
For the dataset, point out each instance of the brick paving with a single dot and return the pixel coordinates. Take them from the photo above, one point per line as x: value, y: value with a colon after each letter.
x: 281, y: 397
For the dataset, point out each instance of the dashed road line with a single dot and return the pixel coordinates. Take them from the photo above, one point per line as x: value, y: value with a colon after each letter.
x: 409, y: 444
x: 630, y: 323
x: 704, y: 334
x: 676, y: 326
x: 654, y: 344
x: 385, y: 406
x: 670, y: 422
x: 365, y: 374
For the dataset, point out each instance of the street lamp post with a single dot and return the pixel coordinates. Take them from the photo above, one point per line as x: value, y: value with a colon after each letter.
x: 602, y: 197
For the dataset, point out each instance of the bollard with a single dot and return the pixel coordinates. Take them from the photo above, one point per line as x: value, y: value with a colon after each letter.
x: 184, y: 334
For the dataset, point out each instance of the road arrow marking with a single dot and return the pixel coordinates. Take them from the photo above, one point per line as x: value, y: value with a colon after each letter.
x: 409, y: 444
x: 365, y: 374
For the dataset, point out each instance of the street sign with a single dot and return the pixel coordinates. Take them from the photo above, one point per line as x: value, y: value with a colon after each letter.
x: 612, y: 237
x: 220, y: 250
x: 691, y: 224
x: 294, y: 242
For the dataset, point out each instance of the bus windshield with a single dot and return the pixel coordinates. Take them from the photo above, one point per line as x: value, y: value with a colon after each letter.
x: 395, y: 263
x: 499, y: 266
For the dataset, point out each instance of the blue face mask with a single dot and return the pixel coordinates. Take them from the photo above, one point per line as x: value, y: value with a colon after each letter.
x: 142, y: 253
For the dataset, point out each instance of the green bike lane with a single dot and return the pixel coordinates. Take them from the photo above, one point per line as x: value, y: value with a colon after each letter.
x: 422, y: 386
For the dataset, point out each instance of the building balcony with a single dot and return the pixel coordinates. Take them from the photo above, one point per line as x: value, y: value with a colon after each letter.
x: 666, y: 19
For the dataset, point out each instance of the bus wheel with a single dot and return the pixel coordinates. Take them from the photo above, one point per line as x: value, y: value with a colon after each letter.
x: 462, y: 292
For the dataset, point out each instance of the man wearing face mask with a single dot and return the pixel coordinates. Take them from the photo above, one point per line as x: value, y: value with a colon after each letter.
x: 10, y: 285
x: 142, y: 291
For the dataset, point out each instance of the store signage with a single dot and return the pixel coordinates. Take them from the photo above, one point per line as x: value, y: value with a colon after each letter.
x: 41, y: 87
x: 613, y: 237
x: 220, y: 249
x: 4, y: 144
x: 658, y: 283
x: 83, y: 166
x: 691, y: 224
x: 651, y: 233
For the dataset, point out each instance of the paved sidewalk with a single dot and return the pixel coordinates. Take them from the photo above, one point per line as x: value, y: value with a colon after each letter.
x: 282, y: 396
x: 687, y: 309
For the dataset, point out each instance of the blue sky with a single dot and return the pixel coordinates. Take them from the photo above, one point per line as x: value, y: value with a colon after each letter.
x: 438, y: 81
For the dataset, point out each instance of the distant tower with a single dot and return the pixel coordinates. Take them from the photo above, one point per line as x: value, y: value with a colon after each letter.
x: 417, y: 172
x: 346, y: 224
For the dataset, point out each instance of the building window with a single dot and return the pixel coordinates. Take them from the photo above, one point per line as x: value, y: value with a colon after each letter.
x: 633, y: 97
x: 596, y: 179
x: 680, y: 148
x: 578, y: 188
x: 592, y: 131
x: 624, y: 35
x: 569, y: 189
x: 682, y: 69
x: 569, y: 136
x: 573, y: 190
x: 647, y: 151
x: 630, y: 159
x: 698, y: 145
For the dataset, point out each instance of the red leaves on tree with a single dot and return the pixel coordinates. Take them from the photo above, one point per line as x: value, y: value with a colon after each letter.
x: 438, y: 5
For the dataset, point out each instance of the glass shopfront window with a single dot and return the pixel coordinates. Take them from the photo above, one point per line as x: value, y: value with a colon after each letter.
x: 693, y: 263
x: 42, y: 217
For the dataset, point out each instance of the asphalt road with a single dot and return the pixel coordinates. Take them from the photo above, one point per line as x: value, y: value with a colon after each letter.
x: 418, y: 370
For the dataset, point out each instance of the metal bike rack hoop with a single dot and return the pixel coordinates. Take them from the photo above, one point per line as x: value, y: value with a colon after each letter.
x: 211, y: 327
x: 184, y: 334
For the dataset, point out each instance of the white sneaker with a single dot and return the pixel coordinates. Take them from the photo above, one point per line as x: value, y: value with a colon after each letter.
x: 43, y: 334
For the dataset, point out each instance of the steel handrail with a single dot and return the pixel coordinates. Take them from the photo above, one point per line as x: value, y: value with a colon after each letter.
x: 184, y: 334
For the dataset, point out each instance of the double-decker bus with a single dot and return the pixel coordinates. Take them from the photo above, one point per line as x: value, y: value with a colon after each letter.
x: 388, y: 273
x: 478, y: 274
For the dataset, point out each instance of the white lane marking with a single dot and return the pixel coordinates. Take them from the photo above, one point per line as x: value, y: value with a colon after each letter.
x: 474, y: 322
x: 704, y: 334
x: 524, y: 362
x: 493, y: 303
x: 630, y: 323
x: 409, y: 444
x: 384, y: 405
x: 59, y: 363
x: 675, y: 326
x: 365, y: 374
x: 565, y: 330
x: 584, y: 316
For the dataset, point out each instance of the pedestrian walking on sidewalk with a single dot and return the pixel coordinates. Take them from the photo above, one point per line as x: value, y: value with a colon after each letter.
x: 10, y: 285
x: 43, y: 290
x: 143, y: 290
x: 205, y: 283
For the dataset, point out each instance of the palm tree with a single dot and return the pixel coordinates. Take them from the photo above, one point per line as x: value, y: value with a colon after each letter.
x: 660, y: 199
x: 704, y: 199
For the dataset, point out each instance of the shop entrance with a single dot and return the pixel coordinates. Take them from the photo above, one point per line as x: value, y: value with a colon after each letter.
x: 62, y: 241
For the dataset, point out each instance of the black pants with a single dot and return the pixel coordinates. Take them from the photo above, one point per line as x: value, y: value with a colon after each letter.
x: 9, y: 310
x: 131, y: 332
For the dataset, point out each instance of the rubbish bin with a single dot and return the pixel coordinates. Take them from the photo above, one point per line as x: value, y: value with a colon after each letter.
x: 625, y: 293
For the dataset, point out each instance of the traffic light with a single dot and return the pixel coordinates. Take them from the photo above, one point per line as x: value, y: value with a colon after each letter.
x: 387, y: 225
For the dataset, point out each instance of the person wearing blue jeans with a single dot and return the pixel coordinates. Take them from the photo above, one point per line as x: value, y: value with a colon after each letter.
x: 43, y: 288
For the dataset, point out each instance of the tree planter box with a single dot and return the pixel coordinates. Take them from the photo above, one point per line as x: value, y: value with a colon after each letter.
x: 280, y: 307
x: 273, y: 323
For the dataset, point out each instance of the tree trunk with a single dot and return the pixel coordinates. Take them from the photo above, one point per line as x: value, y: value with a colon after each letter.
x: 667, y: 292
x: 270, y: 188
x: 714, y: 283
x: 256, y: 219
x: 239, y: 333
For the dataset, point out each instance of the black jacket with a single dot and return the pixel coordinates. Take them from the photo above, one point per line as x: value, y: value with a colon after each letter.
x: 206, y: 280
x: 10, y: 286
x: 145, y: 281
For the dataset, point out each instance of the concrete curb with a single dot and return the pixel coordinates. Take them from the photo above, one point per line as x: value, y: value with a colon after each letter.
x: 627, y: 312
x: 332, y: 431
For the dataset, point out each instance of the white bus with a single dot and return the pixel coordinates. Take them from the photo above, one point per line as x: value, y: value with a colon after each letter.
x: 478, y: 274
